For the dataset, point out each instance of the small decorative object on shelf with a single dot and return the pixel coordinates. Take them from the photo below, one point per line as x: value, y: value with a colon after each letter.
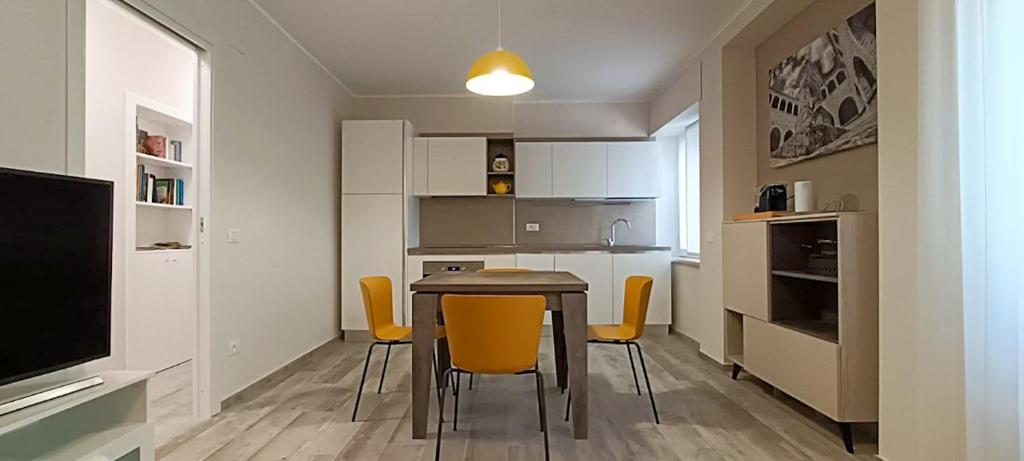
x: 164, y: 246
x: 500, y: 164
x: 501, y: 186
x: 156, y: 145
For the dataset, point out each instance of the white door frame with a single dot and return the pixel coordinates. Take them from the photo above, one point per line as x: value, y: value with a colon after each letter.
x: 205, y: 403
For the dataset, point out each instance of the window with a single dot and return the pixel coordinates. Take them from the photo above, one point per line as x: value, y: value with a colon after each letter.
x: 689, y: 191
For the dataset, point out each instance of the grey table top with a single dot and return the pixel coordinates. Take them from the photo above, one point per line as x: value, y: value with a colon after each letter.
x: 500, y: 282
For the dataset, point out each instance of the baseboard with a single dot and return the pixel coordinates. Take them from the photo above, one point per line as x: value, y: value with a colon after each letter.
x: 270, y: 379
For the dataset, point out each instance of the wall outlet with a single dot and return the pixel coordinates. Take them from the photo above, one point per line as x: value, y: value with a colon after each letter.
x: 234, y: 347
x: 533, y: 227
x: 234, y: 235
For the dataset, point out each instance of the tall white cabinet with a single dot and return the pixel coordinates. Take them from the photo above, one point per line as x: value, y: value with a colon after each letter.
x: 376, y: 154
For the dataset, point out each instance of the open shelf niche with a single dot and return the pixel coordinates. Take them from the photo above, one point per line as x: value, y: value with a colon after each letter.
x: 804, y: 277
x: 159, y: 220
x: 507, y: 148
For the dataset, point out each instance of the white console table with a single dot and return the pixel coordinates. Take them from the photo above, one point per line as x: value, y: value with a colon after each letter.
x: 102, y: 423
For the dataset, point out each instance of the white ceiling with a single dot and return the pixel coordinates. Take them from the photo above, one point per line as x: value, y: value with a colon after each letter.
x: 578, y: 50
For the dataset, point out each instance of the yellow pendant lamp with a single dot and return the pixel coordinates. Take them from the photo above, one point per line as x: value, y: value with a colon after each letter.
x: 499, y: 73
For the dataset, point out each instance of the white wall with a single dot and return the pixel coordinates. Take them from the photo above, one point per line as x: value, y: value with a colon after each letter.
x: 276, y: 132
x: 921, y: 317
x: 33, y: 85
x: 115, y: 40
x: 585, y: 119
x: 686, y: 300
x: 276, y: 170
x: 471, y: 114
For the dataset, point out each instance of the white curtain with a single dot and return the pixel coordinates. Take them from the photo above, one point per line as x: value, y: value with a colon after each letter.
x: 991, y: 115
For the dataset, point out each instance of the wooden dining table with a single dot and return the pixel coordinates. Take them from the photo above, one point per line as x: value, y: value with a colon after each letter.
x: 566, y: 296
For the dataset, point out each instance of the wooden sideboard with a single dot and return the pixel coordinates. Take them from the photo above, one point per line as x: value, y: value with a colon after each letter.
x: 801, y: 300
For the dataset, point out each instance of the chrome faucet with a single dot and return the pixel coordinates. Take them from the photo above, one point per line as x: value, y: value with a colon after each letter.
x: 611, y: 238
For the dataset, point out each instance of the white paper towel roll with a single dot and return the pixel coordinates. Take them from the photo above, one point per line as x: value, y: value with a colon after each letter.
x: 805, y: 200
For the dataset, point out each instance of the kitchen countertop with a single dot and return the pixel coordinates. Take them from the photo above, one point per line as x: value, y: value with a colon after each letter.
x: 512, y: 249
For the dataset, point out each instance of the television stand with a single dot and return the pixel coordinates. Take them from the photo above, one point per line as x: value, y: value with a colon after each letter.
x: 100, y: 421
x: 49, y: 393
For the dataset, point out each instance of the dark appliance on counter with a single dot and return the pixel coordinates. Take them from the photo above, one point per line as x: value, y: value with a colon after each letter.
x: 771, y: 198
x: 436, y: 267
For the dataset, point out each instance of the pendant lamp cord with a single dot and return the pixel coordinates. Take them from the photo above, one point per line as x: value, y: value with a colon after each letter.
x: 499, y: 24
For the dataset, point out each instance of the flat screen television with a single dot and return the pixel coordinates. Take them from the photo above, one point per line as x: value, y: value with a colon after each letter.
x: 55, y: 270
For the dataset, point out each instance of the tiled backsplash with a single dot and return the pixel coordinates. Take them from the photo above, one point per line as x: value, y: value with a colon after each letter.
x: 466, y: 221
x: 584, y: 222
x: 478, y: 221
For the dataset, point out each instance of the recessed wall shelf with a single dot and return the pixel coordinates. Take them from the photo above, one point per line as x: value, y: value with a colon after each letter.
x: 163, y: 205
x: 150, y: 160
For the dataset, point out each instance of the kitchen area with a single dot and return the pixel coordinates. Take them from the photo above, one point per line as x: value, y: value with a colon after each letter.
x: 418, y: 204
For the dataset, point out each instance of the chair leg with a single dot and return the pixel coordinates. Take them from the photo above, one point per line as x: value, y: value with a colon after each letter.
x: 384, y: 369
x: 647, y: 379
x: 543, y: 413
x: 359, y: 394
x: 471, y: 381
x: 440, y: 422
x: 568, y: 403
x: 455, y: 416
x: 636, y: 382
x: 540, y: 410
x: 437, y: 379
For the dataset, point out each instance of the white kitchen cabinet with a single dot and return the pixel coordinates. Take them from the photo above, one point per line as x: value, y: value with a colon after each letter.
x: 420, y: 162
x: 537, y: 262
x: 533, y: 170
x: 456, y: 166
x: 596, y: 270
x: 372, y: 244
x: 579, y: 169
x: 499, y: 261
x: 633, y: 170
x: 161, y: 314
x: 372, y: 156
x: 655, y: 265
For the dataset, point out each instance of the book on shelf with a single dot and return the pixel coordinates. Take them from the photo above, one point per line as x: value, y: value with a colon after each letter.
x: 175, y: 150
x: 150, y: 189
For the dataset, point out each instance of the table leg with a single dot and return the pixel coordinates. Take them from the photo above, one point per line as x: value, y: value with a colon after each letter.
x: 558, y: 332
x: 444, y: 359
x: 574, y: 309
x: 424, y: 316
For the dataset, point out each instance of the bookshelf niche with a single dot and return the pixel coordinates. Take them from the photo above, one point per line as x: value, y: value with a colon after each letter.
x: 162, y: 156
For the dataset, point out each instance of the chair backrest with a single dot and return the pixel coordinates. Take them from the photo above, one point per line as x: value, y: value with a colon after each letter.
x: 505, y: 269
x: 493, y: 334
x: 635, y: 302
x: 377, y: 303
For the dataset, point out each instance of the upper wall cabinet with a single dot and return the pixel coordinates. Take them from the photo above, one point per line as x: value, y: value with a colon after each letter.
x: 533, y: 170
x: 372, y: 156
x: 579, y: 169
x: 633, y: 170
x: 453, y: 167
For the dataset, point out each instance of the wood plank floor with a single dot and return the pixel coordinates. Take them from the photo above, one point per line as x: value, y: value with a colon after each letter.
x: 170, y: 402
x: 705, y: 415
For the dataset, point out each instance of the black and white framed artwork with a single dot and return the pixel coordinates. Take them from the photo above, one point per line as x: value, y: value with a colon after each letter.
x: 822, y: 100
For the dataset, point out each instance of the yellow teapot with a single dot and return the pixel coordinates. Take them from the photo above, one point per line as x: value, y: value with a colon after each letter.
x: 501, y: 187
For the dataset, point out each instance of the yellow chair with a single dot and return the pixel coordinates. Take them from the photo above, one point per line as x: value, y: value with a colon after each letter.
x: 381, y: 321
x: 634, y: 318
x: 497, y: 335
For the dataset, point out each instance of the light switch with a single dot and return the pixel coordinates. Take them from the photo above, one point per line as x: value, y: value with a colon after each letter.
x: 234, y: 235
x: 533, y: 227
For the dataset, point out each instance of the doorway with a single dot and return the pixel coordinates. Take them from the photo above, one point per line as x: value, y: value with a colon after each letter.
x: 146, y: 105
